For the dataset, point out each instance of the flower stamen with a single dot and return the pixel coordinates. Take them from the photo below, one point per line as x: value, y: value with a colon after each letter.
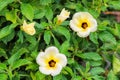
x: 84, y: 25
x: 52, y: 63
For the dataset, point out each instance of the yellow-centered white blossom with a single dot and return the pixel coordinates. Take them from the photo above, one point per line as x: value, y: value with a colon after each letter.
x: 51, y: 61
x: 28, y: 28
x: 83, y: 23
x: 63, y: 16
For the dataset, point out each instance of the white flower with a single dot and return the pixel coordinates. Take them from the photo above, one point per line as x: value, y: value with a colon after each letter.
x: 28, y: 28
x: 83, y: 23
x: 63, y: 16
x: 51, y: 61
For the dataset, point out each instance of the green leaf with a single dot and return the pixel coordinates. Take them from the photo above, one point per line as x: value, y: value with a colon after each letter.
x: 115, y: 4
x: 47, y: 36
x: 8, y: 38
x: 4, y: 3
x: 49, y: 12
x: 76, y: 78
x: 39, y: 13
x: 59, y: 77
x: 87, y: 67
x: 3, y: 77
x: 64, y: 47
x: 91, y: 56
x: 94, y: 37
x: 12, y: 16
x: 70, y: 5
x: 111, y: 76
x: 108, y: 46
x: 69, y: 70
x: 32, y: 76
x: 20, y: 35
x: 64, y: 31
x: 3, y: 53
x: 3, y: 66
x: 94, y: 13
x: 17, y: 55
x: 7, y: 30
x: 105, y: 36
x: 42, y: 25
x: 27, y: 11
x: 32, y: 67
x: 39, y: 76
x: 45, y: 2
x: 97, y: 70
x: 96, y: 77
x: 20, y: 62
x: 116, y: 64
x: 56, y: 42
x: 16, y: 77
x: 95, y: 63
x: 31, y: 39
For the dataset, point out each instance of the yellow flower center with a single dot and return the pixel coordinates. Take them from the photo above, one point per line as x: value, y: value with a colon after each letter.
x: 84, y: 25
x: 52, y: 63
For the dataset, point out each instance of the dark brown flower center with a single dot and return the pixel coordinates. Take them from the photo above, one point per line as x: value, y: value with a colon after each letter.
x: 52, y: 63
x: 84, y: 25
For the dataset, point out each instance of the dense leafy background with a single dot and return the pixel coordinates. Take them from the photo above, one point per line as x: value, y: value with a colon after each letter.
x: 93, y: 58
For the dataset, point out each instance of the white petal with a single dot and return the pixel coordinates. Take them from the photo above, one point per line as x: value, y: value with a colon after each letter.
x: 83, y: 33
x: 51, y: 50
x: 74, y: 26
x: 57, y: 70
x: 64, y: 13
x: 24, y: 23
x: 61, y: 18
x: 31, y: 24
x: 53, y: 71
x: 62, y: 59
x: 82, y: 15
x: 93, y: 27
x: 45, y: 70
x: 41, y: 59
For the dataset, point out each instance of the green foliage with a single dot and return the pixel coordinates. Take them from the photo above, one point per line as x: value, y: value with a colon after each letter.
x: 39, y: 76
x: 49, y: 13
x: 12, y: 16
x: 63, y: 31
x: 3, y: 76
x: 107, y: 37
x: 115, y: 5
x: 111, y: 76
x: 17, y: 55
x: 20, y: 62
x: 45, y: 2
x: 116, y: 64
x: 47, y: 36
x: 7, y: 30
x: 27, y: 11
x: 2, y: 66
x: 97, y: 70
x: 94, y: 38
x: 4, y: 3
x: 91, y: 56
x: 96, y: 57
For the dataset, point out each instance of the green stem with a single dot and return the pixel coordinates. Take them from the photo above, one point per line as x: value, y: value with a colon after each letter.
x: 10, y: 73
